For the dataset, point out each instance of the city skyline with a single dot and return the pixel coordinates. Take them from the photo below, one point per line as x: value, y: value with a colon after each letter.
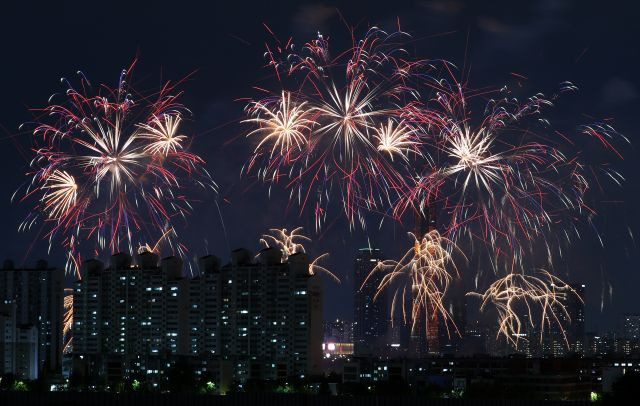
x: 435, y: 197
x: 453, y: 32
x: 258, y: 318
x: 627, y: 323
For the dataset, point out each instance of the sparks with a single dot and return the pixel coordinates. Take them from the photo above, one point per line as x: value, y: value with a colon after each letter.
x: 108, y: 167
x: 292, y: 242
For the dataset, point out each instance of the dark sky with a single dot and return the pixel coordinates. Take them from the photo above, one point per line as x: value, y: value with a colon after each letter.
x: 593, y: 44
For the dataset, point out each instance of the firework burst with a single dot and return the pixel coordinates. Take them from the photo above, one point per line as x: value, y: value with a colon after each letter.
x: 335, y: 132
x: 111, y: 167
x: 517, y: 296
x: 292, y: 242
x: 419, y: 280
x: 397, y: 140
x: 506, y: 180
x: 162, y: 135
x: 61, y: 194
x: 282, y: 123
x: 394, y: 135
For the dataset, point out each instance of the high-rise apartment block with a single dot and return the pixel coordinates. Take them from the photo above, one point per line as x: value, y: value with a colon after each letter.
x: 271, y: 315
x: 256, y: 317
x: 576, y: 323
x: 18, y: 345
x: 127, y: 315
x: 35, y: 296
x: 631, y: 327
x: 370, y: 318
x: 338, y: 331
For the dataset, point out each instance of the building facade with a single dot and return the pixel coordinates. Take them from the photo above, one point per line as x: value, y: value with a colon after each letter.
x: 270, y: 316
x: 631, y: 327
x: 338, y: 331
x: 26, y: 352
x: 370, y: 318
x: 126, y: 316
x: 7, y: 338
x: 576, y: 320
x: 252, y: 318
x: 338, y: 339
x: 37, y: 294
x: 18, y: 345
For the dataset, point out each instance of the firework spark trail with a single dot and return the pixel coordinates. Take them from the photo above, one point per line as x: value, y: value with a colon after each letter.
x: 516, y: 295
x: 289, y: 242
x: 424, y: 274
x: 161, y: 133
x: 156, y: 247
x: 389, y: 133
x: 337, y: 130
x: 61, y: 194
x: 510, y: 183
x: 109, y: 166
x: 67, y: 320
x: 397, y: 140
x: 283, y: 122
x: 504, y: 180
x: 292, y: 242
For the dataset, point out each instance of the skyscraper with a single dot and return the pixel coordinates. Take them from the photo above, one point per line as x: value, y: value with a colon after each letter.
x: 204, y: 309
x: 567, y: 335
x: 127, y: 317
x: 370, y: 319
x: 18, y: 345
x: 559, y: 334
x: 576, y: 330
x: 252, y: 318
x: 631, y: 326
x: 338, y: 331
x: 37, y: 294
x: 425, y: 334
x: 452, y: 332
x: 270, y: 315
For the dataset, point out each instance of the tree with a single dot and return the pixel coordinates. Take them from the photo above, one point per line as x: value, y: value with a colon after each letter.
x: 207, y: 384
x: 19, y: 385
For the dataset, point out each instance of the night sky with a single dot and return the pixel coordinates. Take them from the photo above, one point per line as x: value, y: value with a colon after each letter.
x: 593, y: 44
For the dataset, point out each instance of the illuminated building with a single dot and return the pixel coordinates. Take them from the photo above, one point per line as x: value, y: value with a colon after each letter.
x: 7, y: 338
x: 339, y: 349
x: 398, y: 339
x: 452, y: 335
x: 339, y: 331
x: 204, y: 309
x: 576, y: 324
x: 38, y: 295
x: 338, y: 338
x: 258, y: 319
x: 127, y: 315
x: 631, y: 327
x: 270, y: 316
x: 370, y: 317
x: 18, y: 345
x: 568, y: 335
